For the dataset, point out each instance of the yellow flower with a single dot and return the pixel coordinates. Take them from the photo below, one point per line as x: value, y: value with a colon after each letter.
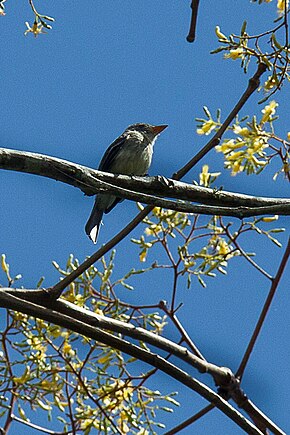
x: 288, y: 135
x: 281, y: 6
x: 4, y: 265
x: 235, y: 53
x: 228, y: 146
x: 122, y: 423
x: 24, y: 378
x: 271, y: 83
x: 224, y: 249
x: 55, y: 331
x: 67, y: 349
x: 36, y: 29
x: 87, y: 423
x: 236, y: 167
x: 153, y: 230
x: 244, y: 132
x: 143, y: 255
x: 205, y: 176
x: 207, y: 127
x: 269, y: 111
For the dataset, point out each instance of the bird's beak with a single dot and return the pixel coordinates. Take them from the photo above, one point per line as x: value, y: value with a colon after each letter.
x: 158, y: 129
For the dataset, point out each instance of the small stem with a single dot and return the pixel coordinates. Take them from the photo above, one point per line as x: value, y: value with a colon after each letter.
x: 33, y: 8
x: 185, y: 337
x: 264, y: 312
x: 174, y: 290
x: 190, y: 420
x: 39, y: 428
x: 245, y: 255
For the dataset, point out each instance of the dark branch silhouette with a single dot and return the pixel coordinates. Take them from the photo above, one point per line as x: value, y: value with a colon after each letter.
x: 194, y: 12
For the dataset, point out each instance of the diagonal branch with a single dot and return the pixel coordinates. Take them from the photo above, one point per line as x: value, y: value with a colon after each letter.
x: 275, y: 282
x: 229, y: 385
x: 11, y: 302
x: 61, y: 306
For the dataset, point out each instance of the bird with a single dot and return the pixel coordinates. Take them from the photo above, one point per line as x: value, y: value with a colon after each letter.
x: 130, y: 154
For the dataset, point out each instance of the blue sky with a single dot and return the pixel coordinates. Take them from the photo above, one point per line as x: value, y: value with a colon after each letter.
x: 69, y: 94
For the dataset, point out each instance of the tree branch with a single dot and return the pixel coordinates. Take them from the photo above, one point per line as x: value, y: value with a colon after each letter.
x: 41, y: 297
x: 11, y: 302
x: 229, y: 385
x: 275, y: 282
x: 143, y: 189
x: 194, y: 6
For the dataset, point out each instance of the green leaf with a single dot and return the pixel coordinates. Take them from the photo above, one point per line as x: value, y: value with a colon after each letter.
x: 207, y: 112
x: 244, y: 26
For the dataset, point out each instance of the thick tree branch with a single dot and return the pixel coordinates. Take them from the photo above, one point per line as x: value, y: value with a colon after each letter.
x: 229, y: 386
x: 144, y: 189
x: 12, y: 302
x: 42, y: 297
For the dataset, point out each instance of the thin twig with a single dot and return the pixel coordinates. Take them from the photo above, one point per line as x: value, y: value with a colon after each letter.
x: 39, y: 428
x: 244, y: 254
x: 190, y: 420
x: 182, y: 331
x: 257, y: 330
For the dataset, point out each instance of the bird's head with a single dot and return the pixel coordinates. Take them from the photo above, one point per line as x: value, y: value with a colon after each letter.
x: 147, y: 130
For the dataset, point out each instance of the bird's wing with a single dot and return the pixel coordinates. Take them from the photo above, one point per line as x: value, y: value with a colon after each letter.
x: 110, y: 154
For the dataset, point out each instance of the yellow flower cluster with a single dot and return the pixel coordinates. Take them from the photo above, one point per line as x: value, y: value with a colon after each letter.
x: 282, y: 5
x: 223, y: 248
x: 271, y: 82
x: 246, y: 152
x: 235, y: 53
x: 236, y: 49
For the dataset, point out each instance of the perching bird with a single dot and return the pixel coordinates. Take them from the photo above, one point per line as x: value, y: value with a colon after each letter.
x: 130, y: 154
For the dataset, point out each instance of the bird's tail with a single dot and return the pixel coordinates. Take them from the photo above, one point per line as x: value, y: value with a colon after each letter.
x: 93, y: 224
